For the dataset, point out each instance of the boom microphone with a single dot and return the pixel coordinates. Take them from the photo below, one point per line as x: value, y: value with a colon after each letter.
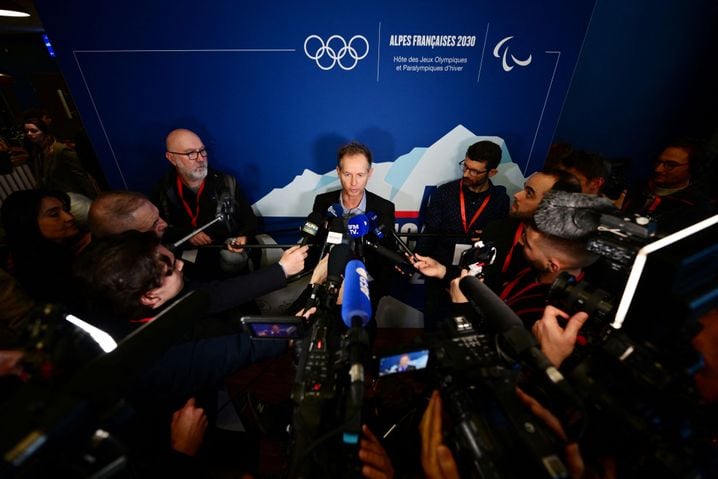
x: 570, y: 215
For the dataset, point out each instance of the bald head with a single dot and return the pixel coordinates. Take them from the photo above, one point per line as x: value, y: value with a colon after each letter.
x: 115, y: 212
x: 188, y: 155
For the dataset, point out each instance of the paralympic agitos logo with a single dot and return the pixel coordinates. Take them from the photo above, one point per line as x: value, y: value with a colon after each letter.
x: 336, y: 51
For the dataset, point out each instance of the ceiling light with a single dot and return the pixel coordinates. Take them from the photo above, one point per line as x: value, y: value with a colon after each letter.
x: 9, y: 8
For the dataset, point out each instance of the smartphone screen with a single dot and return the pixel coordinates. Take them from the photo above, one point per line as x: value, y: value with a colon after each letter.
x: 404, y: 362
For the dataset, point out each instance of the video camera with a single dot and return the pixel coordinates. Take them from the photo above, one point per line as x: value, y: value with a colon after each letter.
x: 635, y: 371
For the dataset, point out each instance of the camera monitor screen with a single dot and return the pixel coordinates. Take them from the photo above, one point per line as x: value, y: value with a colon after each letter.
x: 404, y: 362
x: 273, y: 328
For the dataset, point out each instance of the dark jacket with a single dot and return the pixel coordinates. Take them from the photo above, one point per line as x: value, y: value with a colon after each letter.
x: 218, y: 185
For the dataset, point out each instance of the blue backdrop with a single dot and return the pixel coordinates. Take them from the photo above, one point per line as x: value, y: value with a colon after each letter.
x: 242, y: 75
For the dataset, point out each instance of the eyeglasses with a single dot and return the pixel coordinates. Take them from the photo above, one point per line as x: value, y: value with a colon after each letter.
x: 669, y: 165
x: 471, y: 171
x: 192, y: 155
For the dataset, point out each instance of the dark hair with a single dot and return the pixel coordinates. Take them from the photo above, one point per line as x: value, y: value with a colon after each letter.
x: 575, y: 249
x: 565, y: 181
x: 353, y: 148
x: 695, y: 149
x: 19, y: 216
x: 45, y: 129
x: 486, y: 152
x: 588, y: 164
x: 116, y: 271
x: 41, y: 266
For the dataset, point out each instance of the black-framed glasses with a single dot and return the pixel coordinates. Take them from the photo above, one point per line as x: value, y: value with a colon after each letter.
x: 471, y: 171
x: 669, y: 165
x: 192, y: 155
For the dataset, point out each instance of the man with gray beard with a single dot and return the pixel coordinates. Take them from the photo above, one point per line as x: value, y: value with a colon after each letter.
x: 192, y: 194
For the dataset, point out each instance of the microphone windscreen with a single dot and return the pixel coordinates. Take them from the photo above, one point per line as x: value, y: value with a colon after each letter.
x: 339, y: 256
x: 336, y: 231
x: 335, y: 211
x: 311, y: 225
x: 570, y: 215
x: 358, y: 226
x: 356, y: 302
x: 376, y: 227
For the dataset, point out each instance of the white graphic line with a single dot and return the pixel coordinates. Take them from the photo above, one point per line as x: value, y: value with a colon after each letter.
x: 104, y: 132
x: 206, y: 50
x: 378, y: 52
x: 483, y: 50
x: 548, y: 92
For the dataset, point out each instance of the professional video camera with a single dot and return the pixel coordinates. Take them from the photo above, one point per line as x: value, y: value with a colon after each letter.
x: 55, y: 422
x: 329, y: 382
x: 636, y: 372
x: 473, y: 361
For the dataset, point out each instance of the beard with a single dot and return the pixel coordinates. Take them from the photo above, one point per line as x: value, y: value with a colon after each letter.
x: 196, y: 173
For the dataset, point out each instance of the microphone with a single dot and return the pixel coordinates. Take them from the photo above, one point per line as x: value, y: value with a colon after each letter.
x: 339, y: 256
x: 392, y: 256
x: 310, y: 228
x: 570, y: 215
x: 335, y: 211
x: 504, y: 321
x: 358, y: 227
x: 356, y: 313
x: 335, y: 235
x: 521, y: 342
x: 356, y: 304
x: 378, y: 230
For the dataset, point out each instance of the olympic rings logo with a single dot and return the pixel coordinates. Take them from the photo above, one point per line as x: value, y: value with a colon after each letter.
x: 336, y: 49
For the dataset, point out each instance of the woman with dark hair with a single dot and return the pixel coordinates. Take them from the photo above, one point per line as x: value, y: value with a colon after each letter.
x: 43, y: 240
x: 54, y: 164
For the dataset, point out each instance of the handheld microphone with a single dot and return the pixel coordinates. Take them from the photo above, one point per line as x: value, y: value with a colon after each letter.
x: 392, y: 256
x: 335, y: 211
x: 358, y: 227
x: 335, y: 235
x: 378, y: 229
x: 339, y: 256
x: 356, y: 313
x: 356, y: 304
x: 310, y: 228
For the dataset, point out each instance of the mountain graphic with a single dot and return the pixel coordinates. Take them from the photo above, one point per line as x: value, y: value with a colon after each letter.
x: 402, y: 181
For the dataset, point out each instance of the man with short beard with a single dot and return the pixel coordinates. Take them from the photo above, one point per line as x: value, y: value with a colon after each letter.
x: 192, y: 194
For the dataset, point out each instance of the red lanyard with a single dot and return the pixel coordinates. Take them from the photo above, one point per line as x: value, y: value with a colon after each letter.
x: 192, y: 216
x: 463, y: 208
x: 517, y: 237
x: 654, y: 204
x: 510, y: 287
x: 143, y: 320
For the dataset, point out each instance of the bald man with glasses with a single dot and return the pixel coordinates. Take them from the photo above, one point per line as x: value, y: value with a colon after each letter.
x: 462, y: 208
x: 192, y: 194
